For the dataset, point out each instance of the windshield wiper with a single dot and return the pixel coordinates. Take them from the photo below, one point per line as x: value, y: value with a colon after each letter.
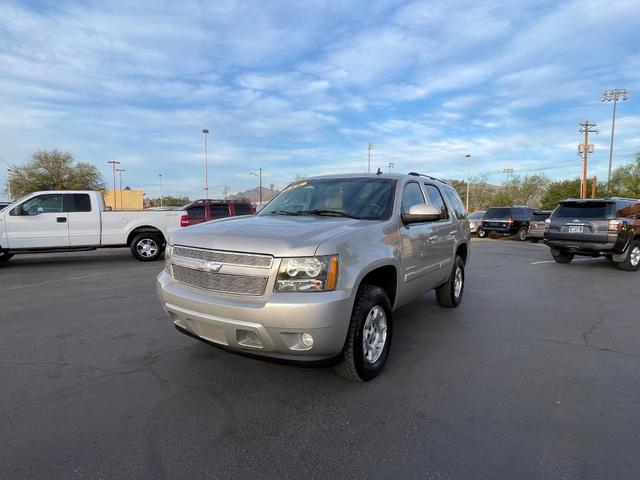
x: 329, y: 213
x: 283, y: 212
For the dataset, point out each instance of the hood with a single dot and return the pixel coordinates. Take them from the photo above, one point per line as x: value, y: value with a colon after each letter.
x: 280, y: 236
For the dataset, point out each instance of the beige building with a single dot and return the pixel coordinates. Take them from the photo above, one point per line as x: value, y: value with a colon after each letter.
x: 124, y: 199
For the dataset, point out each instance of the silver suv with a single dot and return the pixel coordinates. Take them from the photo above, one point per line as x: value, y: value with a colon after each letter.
x: 317, y: 273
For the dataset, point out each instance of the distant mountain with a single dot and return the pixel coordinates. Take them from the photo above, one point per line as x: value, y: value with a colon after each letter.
x: 254, y: 194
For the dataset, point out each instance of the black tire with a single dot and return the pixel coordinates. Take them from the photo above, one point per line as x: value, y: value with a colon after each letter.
x: 535, y: 240
x: 563, y: 257
x: 632, y: 262
x: 493, y: 235
x: 446, y: 294
x: 147, y: 247
x: 353, y: 365
x: 481, y: 233
x: 522, y: 234
x: 5, y: 257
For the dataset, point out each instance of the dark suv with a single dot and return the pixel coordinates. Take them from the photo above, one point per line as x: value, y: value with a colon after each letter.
x: 204, y: 210
x: 506, y: 221
x: 608, y: 227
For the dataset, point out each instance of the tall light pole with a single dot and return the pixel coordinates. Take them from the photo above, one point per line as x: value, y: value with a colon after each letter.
x: 260, y: 185
x: 9, y: 171
x: 113, y: 165
x: 613, y: 96
x: 160, y: 177
x: 120, y: 170
x: 205, y: 132
x: 391, y: 165
x: 369, y: 148
x: 468, y: 157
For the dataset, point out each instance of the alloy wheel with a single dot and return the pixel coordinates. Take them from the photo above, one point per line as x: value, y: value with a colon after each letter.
x: 374, y: 334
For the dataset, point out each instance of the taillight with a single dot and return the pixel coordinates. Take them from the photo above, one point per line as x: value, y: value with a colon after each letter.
x: 510, y: 221
x: 184, y: 221
x: 615, y: 225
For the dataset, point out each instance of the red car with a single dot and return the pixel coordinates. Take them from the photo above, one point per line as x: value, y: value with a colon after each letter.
x: 200, y: 211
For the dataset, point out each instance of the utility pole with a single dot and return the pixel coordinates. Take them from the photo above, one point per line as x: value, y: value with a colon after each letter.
x: 468, y: 157
x: 113, y: 165
x: 594, y: 186
x: 585, y: 148
x: 9, y: 184
x: 613, y: 96
x: 259, y: 175
x: 391, y: 165
x: 225, y: 191
x: 160, y: 176
x: 369, y: 148
x: 206, y: 165
x: 271, y: 187
x: 121, y: 170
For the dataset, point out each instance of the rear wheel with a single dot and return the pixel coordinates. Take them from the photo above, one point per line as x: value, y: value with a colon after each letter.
x: 481, y: 233
x: 146, y: 247
x: 493, y: 235
x: 535, y: 240
x: 369, y: 337
x: 632, y: 262
x: 522, y: 234
x: 563, y: 257
x: 449, y: 294
x: 5, y: 256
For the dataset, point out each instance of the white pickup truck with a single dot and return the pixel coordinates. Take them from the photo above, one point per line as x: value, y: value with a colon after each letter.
x: 63, y: 221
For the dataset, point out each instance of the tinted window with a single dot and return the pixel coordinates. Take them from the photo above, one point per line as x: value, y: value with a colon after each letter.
x: 539, y: 216
x: 412, y: 195
x: 521, y: 213
x: 497, y: 213
x: 48, y: 203
x: 219, y: 211
x: 583, y: 210
x: 77, y: 202
x: 476, y: 216
x: 435, y: 199
x: 243, y: 209
x: 196, y: 211
x: 627, y: 208
x: 456, y: 203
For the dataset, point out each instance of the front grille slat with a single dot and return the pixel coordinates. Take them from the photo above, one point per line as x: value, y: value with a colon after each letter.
x: 229, y: 258
x: 221, y: 282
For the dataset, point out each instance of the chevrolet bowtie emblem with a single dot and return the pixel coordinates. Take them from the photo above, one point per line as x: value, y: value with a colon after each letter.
x: 212, y: 266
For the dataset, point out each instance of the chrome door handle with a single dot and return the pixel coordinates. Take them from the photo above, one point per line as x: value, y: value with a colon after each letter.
x: 453, y: 233
x: 433, y: 238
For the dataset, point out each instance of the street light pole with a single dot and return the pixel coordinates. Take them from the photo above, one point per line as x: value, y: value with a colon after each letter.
x: 468, y: 157
x: 113, y: 165
x: 160, y: 175
x: 9, y: 184
x: 613, y: 96
x: 369, y: 148
x: 206, y: 165
x: 120, y: 170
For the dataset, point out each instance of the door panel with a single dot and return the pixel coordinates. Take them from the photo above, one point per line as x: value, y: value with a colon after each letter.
x: 444, y: 231
x: 39, y: 222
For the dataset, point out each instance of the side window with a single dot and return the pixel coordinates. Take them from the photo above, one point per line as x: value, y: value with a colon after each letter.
x: 243, y: 209
x: 219, y: 211
x: 456, y: 203
x: 77, y: 202
x: 197, y: 211
x: 412, y: 195
x: 47, y: 203
x: 435, y: 199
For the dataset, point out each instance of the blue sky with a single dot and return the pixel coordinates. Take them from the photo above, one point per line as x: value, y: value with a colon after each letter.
x: 303, y: 87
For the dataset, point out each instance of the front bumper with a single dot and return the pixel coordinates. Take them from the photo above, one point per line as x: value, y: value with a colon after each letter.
x: 269, y: 327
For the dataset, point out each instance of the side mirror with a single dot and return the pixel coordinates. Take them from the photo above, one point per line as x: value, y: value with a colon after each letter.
x: 422, y: 213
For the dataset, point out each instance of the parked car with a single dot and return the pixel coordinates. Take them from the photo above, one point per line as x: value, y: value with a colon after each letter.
x: 537, y: 225
x: 475, y: 219
x: 317, y: 273
x: 63, y: 221
x: 500, y: 221
x: 201, y: 211
x: 608, y: 227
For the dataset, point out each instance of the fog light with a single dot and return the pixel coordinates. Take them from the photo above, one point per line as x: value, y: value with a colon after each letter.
x: 248, y: 338
x: 307, y: 340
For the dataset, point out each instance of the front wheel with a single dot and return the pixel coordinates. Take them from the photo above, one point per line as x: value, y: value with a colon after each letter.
x: 146, y: 247
x: 632, y: 262
x: 5, y: 257
x: 449, y: 294
x: 522, y: 234
x: 369, y: 337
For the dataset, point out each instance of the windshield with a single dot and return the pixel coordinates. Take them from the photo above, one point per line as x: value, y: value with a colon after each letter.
x: 581, y: 210
x: 497, y: 213
x: 362, y: 198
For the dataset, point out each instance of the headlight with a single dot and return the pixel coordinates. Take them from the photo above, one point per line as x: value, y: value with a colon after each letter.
x: 168, y: 252
x: 307, y: 274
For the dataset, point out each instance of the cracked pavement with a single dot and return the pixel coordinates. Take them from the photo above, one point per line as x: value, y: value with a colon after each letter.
x: 534, y: 376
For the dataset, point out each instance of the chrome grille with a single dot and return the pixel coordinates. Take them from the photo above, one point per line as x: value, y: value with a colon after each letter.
x: 229, y: 258
x: 221, y: 282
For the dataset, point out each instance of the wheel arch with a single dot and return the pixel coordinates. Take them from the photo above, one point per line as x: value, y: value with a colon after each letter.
x: 384, y: 276
x: 145, y: 229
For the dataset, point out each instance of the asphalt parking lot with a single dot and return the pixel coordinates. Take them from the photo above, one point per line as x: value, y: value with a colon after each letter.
x: 536, y: 375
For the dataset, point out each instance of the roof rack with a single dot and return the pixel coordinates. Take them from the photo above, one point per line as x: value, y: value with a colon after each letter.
x: 416, y: 174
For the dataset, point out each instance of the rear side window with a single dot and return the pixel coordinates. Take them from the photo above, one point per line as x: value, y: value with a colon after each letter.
x: 219, y: 211
x: 196, y: 211
x: 243, y: 209
x: 435, y: 199
x: 412, y: 195
x: 580, y: 210
x: 456, y: 203
x: 627, y: 208
x: 497, y: 213
x: 77, y: 202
